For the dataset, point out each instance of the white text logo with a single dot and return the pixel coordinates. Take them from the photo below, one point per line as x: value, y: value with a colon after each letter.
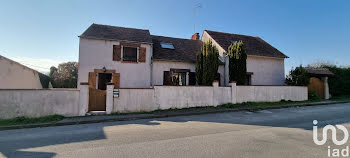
x: 334, y: 134
x: 332, y: 152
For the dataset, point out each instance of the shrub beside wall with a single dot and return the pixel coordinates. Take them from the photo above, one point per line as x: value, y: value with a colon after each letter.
x: 237, y: 62
x: 207, y: 64
x: 297, y: 77
x: 339, y: 84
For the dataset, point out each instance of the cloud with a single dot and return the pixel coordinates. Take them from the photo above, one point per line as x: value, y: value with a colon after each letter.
x: 40, y: 64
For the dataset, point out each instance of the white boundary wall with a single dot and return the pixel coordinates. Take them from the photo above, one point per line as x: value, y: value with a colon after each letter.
x: 133, y: 100
x: 270, y: 93
x: 166, y: 97
x: 38, y: 102
x: 74, y: 102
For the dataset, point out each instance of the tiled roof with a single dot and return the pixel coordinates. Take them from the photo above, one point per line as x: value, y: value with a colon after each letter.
x: 254, y: 45
x: 106, y: 32
x: 185, y: 49
x: 318, y: 71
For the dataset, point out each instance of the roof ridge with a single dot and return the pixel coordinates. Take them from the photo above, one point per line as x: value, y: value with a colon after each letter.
x: 175, y: 38
x: 233, y: 33
x: 121, y: 27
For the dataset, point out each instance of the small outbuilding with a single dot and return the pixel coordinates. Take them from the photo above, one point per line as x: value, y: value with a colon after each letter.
x: 319, y: 81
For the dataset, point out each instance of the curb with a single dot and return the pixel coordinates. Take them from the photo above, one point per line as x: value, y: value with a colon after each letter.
x: 150, y: 116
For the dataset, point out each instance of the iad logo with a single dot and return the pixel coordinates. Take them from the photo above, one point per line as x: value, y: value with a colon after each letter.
x: 334, y: 152
x: 334, y: 134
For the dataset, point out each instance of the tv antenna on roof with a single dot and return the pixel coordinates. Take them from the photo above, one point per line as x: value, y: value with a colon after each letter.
x: 195, y: 12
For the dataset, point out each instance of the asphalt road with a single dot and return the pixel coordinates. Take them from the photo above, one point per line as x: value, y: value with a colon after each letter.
x: 267, y: 133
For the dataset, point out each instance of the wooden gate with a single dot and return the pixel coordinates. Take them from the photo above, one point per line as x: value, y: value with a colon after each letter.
x: 317, y: 86
x: 97, y: 94
x: 97, y: 100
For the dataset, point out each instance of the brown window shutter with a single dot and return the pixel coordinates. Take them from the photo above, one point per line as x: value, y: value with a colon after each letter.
x: 116, y: 53
x: 142, y: 54
x: 116, y: 80
x: 92, y: 80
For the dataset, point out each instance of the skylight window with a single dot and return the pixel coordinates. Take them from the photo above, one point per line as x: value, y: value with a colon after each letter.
x: 167, y: 45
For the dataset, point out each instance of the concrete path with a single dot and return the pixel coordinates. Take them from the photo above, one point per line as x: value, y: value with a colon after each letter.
x: 267, y: 133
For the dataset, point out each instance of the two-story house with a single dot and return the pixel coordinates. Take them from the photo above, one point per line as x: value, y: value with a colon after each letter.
x: 133, y: 58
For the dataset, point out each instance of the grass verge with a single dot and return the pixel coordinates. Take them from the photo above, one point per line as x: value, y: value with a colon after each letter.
x: 341, y: 98
x: 26, y: 120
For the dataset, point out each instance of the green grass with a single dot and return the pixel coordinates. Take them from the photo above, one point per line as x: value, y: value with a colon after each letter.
x: 168, y: 110
x: 26, y: 120
x: 341, y: 98
x: 263, y: 105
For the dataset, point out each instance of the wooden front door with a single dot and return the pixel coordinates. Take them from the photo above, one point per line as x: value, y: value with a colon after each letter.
x: 317, y: 86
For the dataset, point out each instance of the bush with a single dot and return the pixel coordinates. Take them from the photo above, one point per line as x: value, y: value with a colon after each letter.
x: 297, y: 77
x: 313, y: 96
x: 25, y: 120
x: 207, y: 64
x: 237, y: 62
x: 339, y: 84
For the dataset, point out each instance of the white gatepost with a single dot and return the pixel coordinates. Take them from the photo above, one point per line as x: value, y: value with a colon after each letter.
x: 83, y: 98
x: 233, y: 92
x: 109, y: 98
x: 326, y: 88
x: 216, y: 97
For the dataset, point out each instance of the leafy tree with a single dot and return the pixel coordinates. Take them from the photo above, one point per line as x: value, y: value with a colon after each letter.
x: 297, y: 77
x: 65, y: 76
x: 207, y: 64
x: 199, y: 68
x: 237, y: 62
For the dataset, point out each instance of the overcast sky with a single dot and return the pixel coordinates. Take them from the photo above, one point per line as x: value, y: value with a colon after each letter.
x: 41, y: 33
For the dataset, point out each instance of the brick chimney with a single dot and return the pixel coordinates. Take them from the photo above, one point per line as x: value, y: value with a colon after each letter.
x: 195, y: 36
